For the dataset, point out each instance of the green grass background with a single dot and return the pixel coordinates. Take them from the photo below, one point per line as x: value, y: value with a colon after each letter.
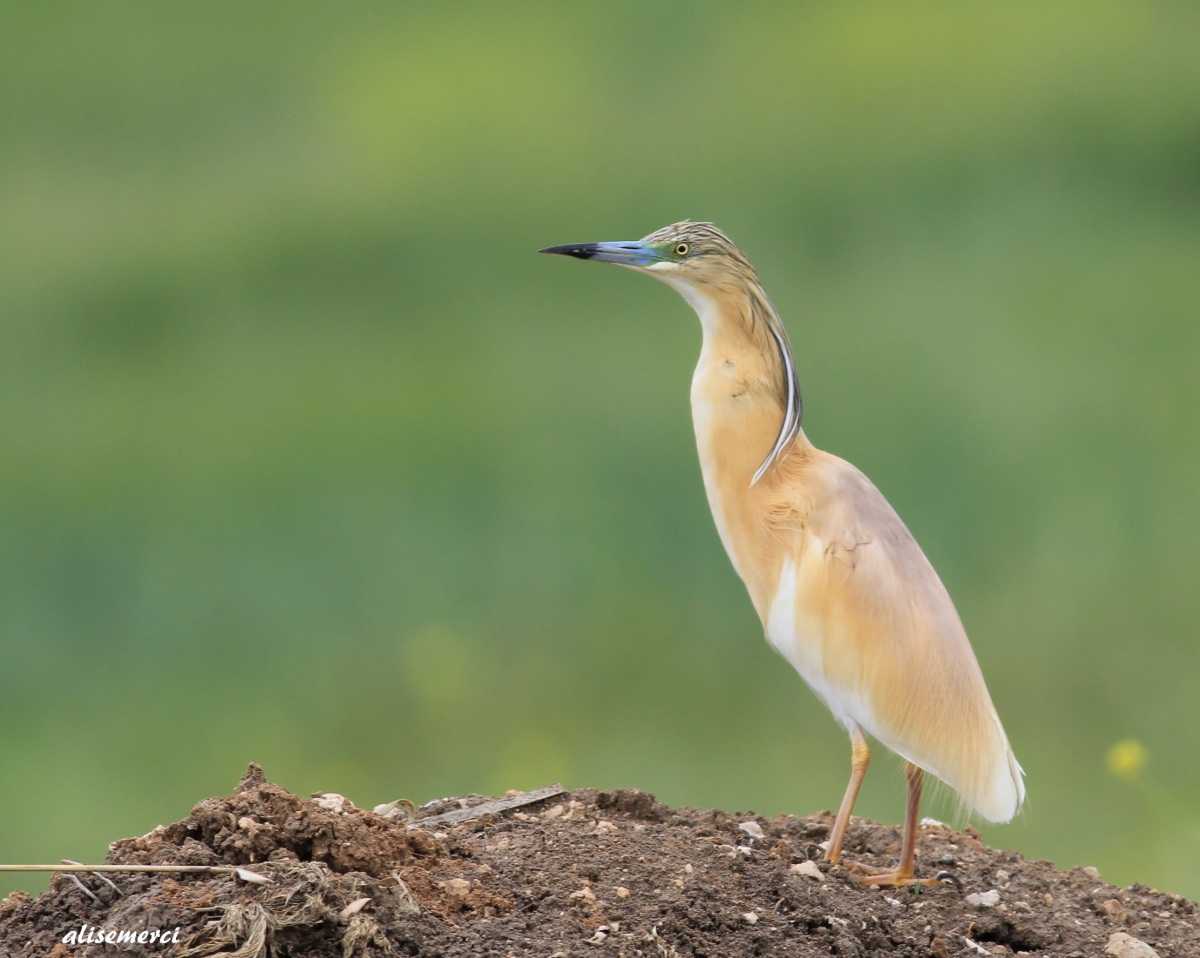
x: 306, y: 457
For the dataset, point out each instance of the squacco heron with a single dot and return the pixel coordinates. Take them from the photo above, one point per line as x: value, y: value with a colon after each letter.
x: 844, y: 592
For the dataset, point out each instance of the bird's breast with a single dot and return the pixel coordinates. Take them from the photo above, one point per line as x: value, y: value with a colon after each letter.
x: 737, y: 416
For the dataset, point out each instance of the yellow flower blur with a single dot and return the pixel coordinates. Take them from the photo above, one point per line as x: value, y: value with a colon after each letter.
x: 1127, y: 758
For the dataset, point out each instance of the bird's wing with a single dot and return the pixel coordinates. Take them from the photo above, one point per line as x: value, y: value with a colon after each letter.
x: 874, y: 631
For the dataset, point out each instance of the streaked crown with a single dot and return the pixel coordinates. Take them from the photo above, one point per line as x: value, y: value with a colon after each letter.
x: 703, y: 251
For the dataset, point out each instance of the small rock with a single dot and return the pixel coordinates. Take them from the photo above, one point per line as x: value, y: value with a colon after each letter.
x: 807, y: 869
x: 984, y: 899
x: 750, y: 918
x: 753, y: 829
x: 576, y: 810
x: 1121, y: 945
x: 584, y: 894
x: 1114, y: 911
x: 554, y: 811
x: 458, y: 887
x: 621, y: 892
x: 333, y: 801
x: 1092, y: 872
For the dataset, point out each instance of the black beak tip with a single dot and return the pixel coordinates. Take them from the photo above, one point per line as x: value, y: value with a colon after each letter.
x: 578, y: 250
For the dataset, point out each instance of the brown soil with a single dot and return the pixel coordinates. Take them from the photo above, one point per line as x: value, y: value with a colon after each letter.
x: 584, y: 873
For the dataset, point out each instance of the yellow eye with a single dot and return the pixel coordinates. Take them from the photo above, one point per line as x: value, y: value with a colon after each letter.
x: 682, y: 249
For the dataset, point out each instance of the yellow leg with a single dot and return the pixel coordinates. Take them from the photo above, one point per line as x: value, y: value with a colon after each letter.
x: 903, y: 875
x: 860, y: 755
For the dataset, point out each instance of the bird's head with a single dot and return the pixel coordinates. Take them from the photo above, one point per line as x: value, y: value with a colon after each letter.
x: 688, y: 256
x: 718, y: 282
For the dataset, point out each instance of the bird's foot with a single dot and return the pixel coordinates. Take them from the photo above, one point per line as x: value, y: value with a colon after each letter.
x: 895, y: 879
x: 888, y: 877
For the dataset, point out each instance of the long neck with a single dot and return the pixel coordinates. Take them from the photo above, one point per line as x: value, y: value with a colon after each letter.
x: 747, y: 359
x: 745, y: 408
x: 762, y: 315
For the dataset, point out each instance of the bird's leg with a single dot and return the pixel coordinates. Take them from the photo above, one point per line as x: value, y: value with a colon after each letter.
x: 860, y: 755
x: 903, y: 874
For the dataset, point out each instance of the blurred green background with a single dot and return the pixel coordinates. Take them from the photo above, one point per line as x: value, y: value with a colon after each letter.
x: 306, y: 457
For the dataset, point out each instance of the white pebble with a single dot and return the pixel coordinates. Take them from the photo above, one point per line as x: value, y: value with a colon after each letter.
x: 333, y: 802
x: 753, y: 829
x: 807, y: 869
x: 1121, y: 945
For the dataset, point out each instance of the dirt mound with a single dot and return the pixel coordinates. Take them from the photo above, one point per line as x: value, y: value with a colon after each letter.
x: 558, y: 873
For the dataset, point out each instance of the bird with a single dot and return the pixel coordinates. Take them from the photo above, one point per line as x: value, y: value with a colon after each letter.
x: 844, y: 592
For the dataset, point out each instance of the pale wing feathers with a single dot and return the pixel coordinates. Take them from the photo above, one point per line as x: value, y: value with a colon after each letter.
x: 871, y: 622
